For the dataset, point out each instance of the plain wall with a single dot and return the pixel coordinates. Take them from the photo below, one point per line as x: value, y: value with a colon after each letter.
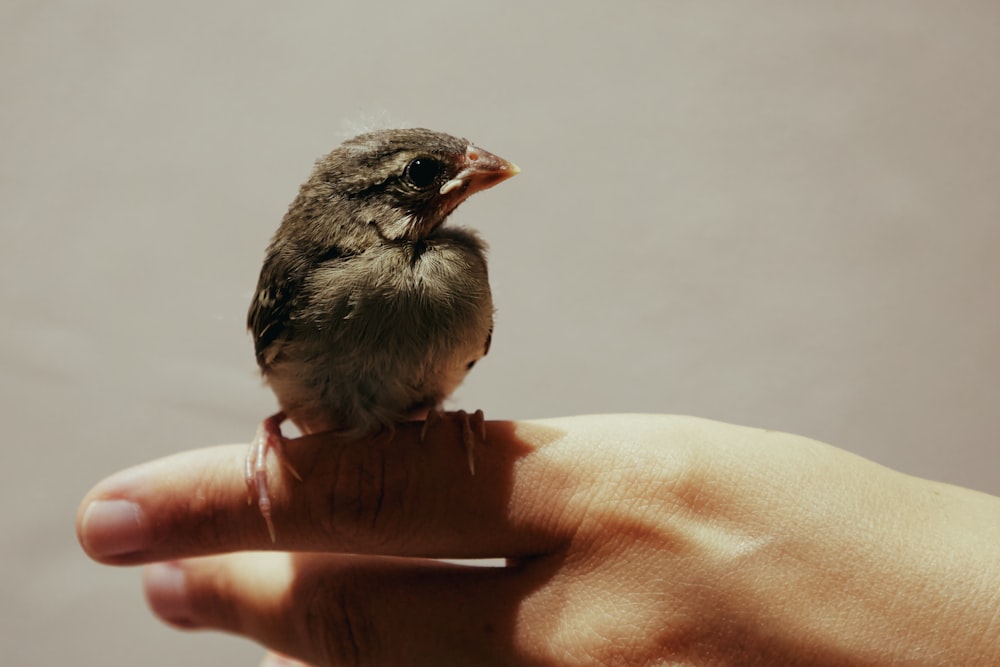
x: 783, y: 214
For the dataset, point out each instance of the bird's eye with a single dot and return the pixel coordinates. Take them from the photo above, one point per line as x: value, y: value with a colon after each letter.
x: 423, y: 172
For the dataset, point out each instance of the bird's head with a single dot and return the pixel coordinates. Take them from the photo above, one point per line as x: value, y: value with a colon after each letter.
x: 404, y: 182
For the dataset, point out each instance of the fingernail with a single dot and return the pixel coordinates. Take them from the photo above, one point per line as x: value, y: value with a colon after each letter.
x: 166, y: 593
x: 114, y: 528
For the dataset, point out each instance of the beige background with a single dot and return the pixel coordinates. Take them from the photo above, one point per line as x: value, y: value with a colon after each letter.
x: 783, y: 214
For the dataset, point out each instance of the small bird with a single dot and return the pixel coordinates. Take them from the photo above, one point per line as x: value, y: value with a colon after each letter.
x: 369, y: 312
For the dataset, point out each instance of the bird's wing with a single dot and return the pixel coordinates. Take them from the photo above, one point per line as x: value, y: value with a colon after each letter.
x: 272, y: 305
x: 489, y: 341
x: 279, y: 290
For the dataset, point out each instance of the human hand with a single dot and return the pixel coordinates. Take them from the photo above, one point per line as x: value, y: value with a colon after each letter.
x: 630, y: 540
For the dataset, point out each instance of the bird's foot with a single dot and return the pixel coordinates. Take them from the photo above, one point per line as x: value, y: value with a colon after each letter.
x: 268, y: 438
x: 473, y: 425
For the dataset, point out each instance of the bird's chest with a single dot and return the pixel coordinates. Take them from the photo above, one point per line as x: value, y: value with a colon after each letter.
x: 404, y: 298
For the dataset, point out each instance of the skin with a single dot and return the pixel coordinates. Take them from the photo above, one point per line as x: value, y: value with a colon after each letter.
x: 631, y: 540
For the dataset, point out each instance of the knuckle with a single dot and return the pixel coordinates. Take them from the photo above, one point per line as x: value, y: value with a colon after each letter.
x: 364, y: 503
x: 337, y: 622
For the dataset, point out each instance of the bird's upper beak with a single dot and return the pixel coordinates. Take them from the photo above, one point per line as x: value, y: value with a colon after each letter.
x: 479, y: 170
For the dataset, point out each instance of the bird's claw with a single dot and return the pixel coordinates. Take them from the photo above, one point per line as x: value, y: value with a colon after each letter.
x: 433, y: 417
x: 473, y: 425
x: 268, y: 437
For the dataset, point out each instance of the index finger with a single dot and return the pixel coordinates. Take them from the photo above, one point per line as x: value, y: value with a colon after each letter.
x: 400, y: 495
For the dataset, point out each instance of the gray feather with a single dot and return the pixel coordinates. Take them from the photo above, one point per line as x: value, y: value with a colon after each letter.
x: 368, y: 311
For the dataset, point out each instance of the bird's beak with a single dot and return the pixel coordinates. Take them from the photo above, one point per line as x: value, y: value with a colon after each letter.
x: 479, y: 170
